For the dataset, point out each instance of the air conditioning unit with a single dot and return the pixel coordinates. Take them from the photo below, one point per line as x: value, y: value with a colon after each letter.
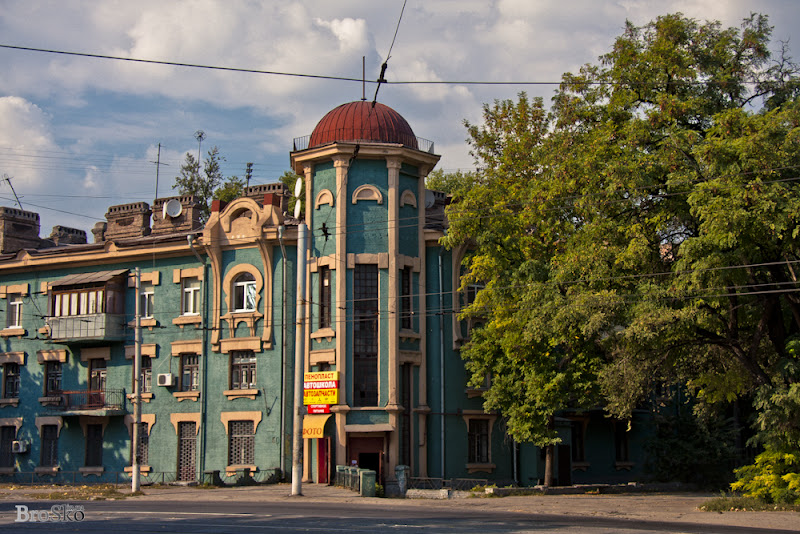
x: 166, y: 379
x: 19, y: 446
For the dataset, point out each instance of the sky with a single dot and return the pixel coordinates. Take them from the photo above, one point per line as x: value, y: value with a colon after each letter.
x: 80, y: 134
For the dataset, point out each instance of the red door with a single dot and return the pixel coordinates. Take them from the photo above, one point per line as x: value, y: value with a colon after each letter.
x: 323, y: 454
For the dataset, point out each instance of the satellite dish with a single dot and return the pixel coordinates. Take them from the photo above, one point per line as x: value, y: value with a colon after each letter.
x: 430, y: 198
x: 297, y: 207
x: 298, y: 187
x: 172, y: 208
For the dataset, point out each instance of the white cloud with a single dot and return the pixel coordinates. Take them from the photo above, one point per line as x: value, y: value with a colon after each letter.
x: 25, y: 138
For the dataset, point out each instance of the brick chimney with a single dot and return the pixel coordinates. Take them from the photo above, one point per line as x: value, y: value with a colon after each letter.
x: 128, y: 220
x: 19, y: 229
x: 276, y: 194
x: 188, y: 219
x: 63, y: 235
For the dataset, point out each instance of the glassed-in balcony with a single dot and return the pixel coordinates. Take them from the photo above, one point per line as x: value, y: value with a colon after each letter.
x: 98, y: 326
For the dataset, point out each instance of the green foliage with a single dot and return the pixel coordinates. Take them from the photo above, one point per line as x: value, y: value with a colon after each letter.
x: 231, y: 189
x: 693, y: 450
x: 735, y: 503
x: 644, y: 229
x: 289, y: 179
x: 450, y: 182
x: 774, y: 477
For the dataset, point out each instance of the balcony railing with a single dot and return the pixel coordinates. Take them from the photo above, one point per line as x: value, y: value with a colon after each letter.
x: 91, y: 399
x: 99, y: 326
x: 424, y: 145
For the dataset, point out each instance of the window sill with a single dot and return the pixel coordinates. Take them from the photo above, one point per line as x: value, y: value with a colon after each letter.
x: 409, y: 334
x: 7, y: 470
x: 13, y: 331
x: 232, y: 469
x: 142, y: 469
x: 623, y: 466
x: 95, y: 470
x: 187, y: 319
x: 145, y: 323
x: 186, y: 395
x: 324, y: 333
x: 580, y: 466
x: 481, y: 468
x: 146, y: 397
x: 241, y: 393
x: 9, y: 402
x: 50, y: 400
x: 46, y: 470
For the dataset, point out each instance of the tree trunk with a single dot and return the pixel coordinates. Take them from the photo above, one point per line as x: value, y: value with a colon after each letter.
x: 549, y: 465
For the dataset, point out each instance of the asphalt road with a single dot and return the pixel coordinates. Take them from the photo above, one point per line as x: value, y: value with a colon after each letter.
x: 323, y: 509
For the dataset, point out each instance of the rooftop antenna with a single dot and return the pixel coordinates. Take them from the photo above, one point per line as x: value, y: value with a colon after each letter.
x: 199, y: 135
x: 363, y: 78
x: 7, y: 178
x: 158, y: 168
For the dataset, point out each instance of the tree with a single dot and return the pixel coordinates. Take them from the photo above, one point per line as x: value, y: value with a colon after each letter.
x: 643, y: 231
x: 202, y: 186
x: 232, y: 188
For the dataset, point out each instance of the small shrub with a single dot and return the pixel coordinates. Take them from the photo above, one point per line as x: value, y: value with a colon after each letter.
x: 773, y: 478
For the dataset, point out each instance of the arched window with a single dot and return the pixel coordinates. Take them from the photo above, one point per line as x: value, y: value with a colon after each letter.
x: 244, y: 293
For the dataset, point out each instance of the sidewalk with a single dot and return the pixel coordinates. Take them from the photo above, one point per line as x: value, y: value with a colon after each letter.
x: 669, y: 507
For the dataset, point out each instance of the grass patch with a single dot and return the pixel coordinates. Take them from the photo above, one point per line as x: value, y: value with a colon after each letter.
x: 737, y: 503
x: 95, y: 492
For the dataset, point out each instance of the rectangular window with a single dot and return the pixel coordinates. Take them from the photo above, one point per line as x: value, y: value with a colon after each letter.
x: 147, y: 301
x: 406, y: 302
x: 243, y: 369
x: 190, y: 305
x: 147, y: 374
x: 244, y: 293
x: 97, y: 374
x: 7, y: 436
x: 578, y: 442
x: 14, y: 314
x: 78, y: 302
x: 365, y: 335
x: 621, y: 441
x: 49, y: 448
x: 478, y: 437
x: 190, y: 372
x: 11, y: 380
x: 324, y: 297
x: 52, y: 383
x: 241, y: 443
x: 94, y: 445
x: 144, y: 444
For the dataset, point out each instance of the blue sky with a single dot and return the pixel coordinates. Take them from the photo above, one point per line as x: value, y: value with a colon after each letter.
x: 78, y: 135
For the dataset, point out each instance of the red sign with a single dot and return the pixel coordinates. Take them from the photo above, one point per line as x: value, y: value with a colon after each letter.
x: 319, y: 408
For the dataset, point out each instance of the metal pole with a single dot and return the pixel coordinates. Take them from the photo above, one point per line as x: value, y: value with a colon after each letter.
x: 137, y: 389
x: 297, y: 437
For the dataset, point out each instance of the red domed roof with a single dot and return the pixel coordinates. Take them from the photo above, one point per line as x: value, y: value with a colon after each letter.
x: 359, y: 121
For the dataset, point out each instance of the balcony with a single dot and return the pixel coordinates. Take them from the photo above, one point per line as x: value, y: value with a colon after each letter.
x: 92, y: 402
x: 92, y: 327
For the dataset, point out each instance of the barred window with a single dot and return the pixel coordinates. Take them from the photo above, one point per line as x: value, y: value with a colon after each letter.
x: 52, y: 384
x: 49, y: 446
x: 144, y: 444
x: 190, y: 372
x: 147, y: 374
x: 241, y: 443
x: 94, y: 445
x: 11, y: 380
x: 478, y: 437
x: 243, y: 369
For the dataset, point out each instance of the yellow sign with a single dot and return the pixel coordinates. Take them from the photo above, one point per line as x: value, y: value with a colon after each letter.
x: 314, y: 426
x: 320, y: 396
x: 321, y: 388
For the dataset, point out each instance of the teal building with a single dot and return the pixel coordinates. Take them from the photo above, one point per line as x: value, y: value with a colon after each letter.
x: 384, y: 382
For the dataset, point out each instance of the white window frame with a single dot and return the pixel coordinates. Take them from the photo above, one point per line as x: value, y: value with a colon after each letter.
x: 241, y: 290
x: 190, y: 303
x: 14, y: 316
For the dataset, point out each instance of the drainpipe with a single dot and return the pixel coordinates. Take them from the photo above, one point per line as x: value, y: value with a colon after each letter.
x: 204, y: 360
x: 281, y: 230
x: 441, y: 356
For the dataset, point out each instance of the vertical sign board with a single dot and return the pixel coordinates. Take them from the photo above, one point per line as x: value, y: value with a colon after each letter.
x: 321, y: 388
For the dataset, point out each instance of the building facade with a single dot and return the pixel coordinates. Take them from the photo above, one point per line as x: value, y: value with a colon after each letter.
x: 217, y: 310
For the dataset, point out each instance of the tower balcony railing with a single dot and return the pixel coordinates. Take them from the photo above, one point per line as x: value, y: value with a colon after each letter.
x: 421, y: 144
x: 97, y: 326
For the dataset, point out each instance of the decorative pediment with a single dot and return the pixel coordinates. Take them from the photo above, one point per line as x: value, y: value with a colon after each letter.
x: 367, y: 192
x: 324, y: 197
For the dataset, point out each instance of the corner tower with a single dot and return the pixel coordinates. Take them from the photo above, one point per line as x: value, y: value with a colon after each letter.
x: 364, y: 172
